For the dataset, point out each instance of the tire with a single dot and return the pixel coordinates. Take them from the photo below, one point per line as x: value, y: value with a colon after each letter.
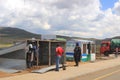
x: 106, y: 53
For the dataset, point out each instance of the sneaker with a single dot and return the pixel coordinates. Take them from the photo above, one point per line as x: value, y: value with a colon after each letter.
x: 56, y: 69
x: 76, y: 65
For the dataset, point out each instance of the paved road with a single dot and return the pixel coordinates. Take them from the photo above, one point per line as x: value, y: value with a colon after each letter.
x: 107, y: 74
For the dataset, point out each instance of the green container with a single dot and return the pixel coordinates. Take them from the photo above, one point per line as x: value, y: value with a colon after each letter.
x: 88, y: 57
x: 69, y: 58
x: 84, y: 57
x: 115, y: 43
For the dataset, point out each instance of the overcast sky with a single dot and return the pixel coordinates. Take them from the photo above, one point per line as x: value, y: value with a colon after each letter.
x: 79, y: 18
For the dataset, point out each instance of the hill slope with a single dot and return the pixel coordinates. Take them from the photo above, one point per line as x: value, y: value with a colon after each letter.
x: 8, y: 34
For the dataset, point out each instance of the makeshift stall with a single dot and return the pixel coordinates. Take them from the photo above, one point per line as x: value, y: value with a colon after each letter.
x: 46, y: 54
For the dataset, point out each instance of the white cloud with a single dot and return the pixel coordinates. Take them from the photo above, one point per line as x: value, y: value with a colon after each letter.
x: 74, y: 18
x: 117, y: 8
x: 14, y: 4
x: 46, y: 26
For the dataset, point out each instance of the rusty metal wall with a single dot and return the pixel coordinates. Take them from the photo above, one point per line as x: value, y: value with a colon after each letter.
x: 44, y: 52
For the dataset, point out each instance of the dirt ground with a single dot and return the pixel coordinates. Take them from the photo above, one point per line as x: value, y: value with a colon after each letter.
x: 3, y: 74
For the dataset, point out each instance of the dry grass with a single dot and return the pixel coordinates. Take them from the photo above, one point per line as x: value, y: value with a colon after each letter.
x: 5, y: 45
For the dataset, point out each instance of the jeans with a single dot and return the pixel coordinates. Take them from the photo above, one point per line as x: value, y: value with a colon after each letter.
x: 77, y: 59
x: 58, y: 58
x: 116, y: 54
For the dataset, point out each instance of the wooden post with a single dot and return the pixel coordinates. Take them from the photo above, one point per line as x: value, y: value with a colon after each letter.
x: 64, y: 57
x: 37, y: 52
x: 65, y: 53
x: 49, y: 53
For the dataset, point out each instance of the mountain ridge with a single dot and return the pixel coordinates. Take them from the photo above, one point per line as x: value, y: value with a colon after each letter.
x: 10, y: 34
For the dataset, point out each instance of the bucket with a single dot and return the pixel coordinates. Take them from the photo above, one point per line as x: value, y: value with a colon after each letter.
x: 88, y: 57
x: 92, y: 58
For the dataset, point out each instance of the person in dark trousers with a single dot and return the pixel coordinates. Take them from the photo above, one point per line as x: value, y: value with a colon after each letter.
x: 59, y: 53
x: 34, y: 53
x: 29, y: 60
x: 77, y: 54
x: 116, y: 53
x: 89, y: 47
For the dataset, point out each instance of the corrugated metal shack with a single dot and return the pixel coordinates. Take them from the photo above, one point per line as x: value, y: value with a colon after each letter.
x: 46, y: 51
x: 84, y: 44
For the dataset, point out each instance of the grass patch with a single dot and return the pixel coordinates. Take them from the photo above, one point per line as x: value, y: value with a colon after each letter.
x: 5, y: 45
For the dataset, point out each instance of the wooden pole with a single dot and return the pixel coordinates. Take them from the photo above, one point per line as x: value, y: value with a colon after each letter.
x: 49, y: 53
x: 37, y: 52
x: 65, y: 53
x: 64, y: 57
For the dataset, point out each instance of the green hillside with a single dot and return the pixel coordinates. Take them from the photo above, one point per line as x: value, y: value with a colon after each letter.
x: 9, y: 35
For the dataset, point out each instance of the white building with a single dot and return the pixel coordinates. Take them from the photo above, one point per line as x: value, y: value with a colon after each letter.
x: 84, y: 47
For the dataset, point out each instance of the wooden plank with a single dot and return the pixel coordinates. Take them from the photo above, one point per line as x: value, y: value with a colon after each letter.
x: 43, y: 70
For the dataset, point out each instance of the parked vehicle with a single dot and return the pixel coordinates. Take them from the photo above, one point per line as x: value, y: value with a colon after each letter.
x: 108, y: 47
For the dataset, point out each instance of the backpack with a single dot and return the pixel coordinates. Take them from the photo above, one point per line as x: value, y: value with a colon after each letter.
x: 30, y: 46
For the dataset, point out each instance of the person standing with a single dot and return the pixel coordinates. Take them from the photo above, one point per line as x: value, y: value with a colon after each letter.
x: 34, y: 52
x: 77, y: 54
x: 89, y: 47
x: 59, y: 53
x: 29, y: 55
x: 116, y: 53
